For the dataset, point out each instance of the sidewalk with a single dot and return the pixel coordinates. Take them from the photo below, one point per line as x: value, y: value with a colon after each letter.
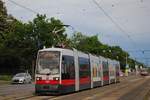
x: 2, y: 82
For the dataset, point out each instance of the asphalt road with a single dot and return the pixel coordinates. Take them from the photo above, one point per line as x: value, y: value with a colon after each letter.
x: 130, y: 88
x: 14, y: 91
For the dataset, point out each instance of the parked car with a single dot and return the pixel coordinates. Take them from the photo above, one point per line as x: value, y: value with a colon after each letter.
x: 121, y: 73
x: 144, y: 73
x: 22, y: 78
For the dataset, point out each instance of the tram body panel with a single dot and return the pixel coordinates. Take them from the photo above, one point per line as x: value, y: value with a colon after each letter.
x: 84, y: 71
x: 101, y: 68
x: 96, y: 71
x: 105, y: 71
x: 60, y: 71
x: 117, y: 64
x: 76, y: 70
x: 68, y: 73
x: 112, y: 72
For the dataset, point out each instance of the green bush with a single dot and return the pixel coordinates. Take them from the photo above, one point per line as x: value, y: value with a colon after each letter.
x: 5, y: 77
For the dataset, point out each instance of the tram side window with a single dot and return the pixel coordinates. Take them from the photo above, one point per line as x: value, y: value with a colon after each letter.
x: 68, y: 69
x: 95, y: 69
x: 84, y: 67
x: 112, y: 72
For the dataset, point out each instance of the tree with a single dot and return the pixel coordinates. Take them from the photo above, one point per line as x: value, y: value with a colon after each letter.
x: 46, y: 32
x: 86, y: 43
x: 19, y: 42
x: 91, y: 44
x: 3, y: 19
x: 23, y: 40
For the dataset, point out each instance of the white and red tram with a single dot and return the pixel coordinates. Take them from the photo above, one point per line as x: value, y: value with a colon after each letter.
x: 60, y: 71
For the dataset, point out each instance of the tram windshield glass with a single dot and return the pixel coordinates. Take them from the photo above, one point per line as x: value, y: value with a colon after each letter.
x: 48, y: 62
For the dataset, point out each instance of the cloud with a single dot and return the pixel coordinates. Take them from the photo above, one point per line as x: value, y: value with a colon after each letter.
x: 131, y: 15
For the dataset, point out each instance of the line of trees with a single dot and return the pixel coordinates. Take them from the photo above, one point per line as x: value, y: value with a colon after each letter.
x: 19, y: 42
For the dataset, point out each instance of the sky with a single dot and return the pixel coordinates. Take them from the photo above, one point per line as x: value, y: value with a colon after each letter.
x: 117, y: 22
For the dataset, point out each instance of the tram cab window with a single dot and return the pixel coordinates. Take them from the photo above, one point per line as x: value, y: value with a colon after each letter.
x: 68, y: 69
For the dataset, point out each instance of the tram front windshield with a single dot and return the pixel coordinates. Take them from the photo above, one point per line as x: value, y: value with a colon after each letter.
x: 48, y: 62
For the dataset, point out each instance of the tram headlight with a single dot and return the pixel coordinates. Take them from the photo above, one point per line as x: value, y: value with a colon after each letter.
x: 38, y: 78
x: 56, y: 78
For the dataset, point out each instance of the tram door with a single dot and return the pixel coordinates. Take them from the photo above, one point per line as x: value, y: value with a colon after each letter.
x: 105, y: 72
x: 84, y: 73
x: 68, y: 74
x: 117, y: 71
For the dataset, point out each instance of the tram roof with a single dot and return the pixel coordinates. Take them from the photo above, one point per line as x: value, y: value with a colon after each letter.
x: 54, y: 49
x: 70, y: 50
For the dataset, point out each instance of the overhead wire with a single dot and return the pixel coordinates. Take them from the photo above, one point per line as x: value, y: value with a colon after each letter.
x: 98, y: 5
x: 144, y: 50
x: 29, y: 9
x: 114, y: 22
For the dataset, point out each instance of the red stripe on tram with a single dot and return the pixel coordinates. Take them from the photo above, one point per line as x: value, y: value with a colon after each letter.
x: 105, y: 78
x: 64, y: 82
x: 68, y: 82
x: 85, y: 80
x: 55, y: 82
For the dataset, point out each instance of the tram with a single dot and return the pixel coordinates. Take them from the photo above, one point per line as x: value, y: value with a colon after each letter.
x: 60, y: 71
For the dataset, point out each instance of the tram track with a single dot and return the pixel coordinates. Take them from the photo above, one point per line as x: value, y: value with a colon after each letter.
x: 99, y: 92
x: 107, y: 92
x: 12, y: 92
x: 37, y: 98
x: 67, y: 95
x: 115, y: 94
x: 113, y: 90
x: 138, y: 93
x: 85, y: 93
x: 15, y: 96
x: 10, y: 89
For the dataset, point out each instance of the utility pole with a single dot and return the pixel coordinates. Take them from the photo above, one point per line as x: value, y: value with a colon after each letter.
x: 136, y: 68
x: 127, y: 66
